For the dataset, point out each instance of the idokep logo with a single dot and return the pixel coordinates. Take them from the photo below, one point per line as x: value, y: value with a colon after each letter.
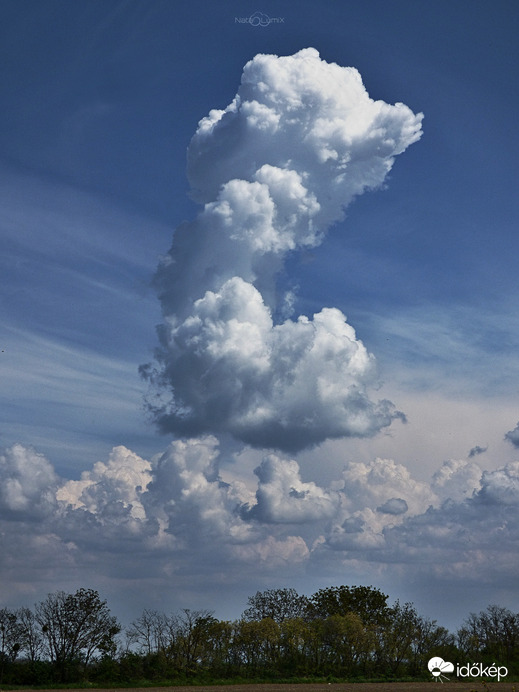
x: 438, y: 667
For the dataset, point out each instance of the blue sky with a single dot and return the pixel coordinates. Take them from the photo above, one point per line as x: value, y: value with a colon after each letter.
x: 100, y: 102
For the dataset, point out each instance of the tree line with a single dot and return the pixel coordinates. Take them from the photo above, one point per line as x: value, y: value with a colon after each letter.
x: 342, y: 632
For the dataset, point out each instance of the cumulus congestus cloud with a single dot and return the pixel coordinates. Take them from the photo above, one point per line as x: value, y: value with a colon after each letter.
x: 273, y: 170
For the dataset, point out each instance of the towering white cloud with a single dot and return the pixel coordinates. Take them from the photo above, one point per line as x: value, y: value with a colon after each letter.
x: 273, y: 170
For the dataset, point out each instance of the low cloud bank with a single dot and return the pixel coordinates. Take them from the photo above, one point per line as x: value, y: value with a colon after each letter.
x: 175, y: 515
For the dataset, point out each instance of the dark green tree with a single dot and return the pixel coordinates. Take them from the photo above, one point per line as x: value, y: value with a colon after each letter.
x: 257, y: 643
x: 219, y: 656
x: 396, y: 638
x: 11, y: 634
x: 296, y: 646
x: 192, y: 643
x: 277, y: 604
x: 369, y: 603
x: 430, y: 640
x: 492, y: 634
x: 11, y: 639
x: 344, y: 642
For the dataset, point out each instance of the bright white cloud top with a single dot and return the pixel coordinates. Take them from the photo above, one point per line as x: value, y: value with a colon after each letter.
x: 300, y: 140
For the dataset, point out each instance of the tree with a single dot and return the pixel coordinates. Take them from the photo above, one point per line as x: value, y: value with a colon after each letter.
x: 11, y: 637
x: 367, y: 602
x: 257, y: 643
x: 344, y: 640
x: 493, y: 634
x: 296, y: 646
x: 431, y: 640
x: 75, y: 628
x: 192, y: 642
x: 32, y: 637
x: 218, y: 656
x: 151, y: 632
x: 277, y: 604
x: 397, y: 637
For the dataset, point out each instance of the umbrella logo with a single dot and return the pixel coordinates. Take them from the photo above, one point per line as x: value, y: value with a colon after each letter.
x: 437, y: 667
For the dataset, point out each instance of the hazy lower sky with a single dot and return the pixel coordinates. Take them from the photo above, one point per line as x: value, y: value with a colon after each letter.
x: 259, y: 301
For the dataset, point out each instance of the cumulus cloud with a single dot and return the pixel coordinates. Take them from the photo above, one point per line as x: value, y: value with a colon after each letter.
x: 127, y: 521
x: 273, y: 170
x: 288, y: 386
x: 456, y: 479
x: 513, y: 436
x: 27, y: 483
x: 501, y: 487
x: 282, y: 497
x: 173, y: 520
x: 467, y: 536
x: 372, y: 484
x: 474, y: 541
x: 119, y: 482
x: 374, y: 495
x: 189, y: 499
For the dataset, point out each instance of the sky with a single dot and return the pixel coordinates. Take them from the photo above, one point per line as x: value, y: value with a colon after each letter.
x: 259, y: 301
